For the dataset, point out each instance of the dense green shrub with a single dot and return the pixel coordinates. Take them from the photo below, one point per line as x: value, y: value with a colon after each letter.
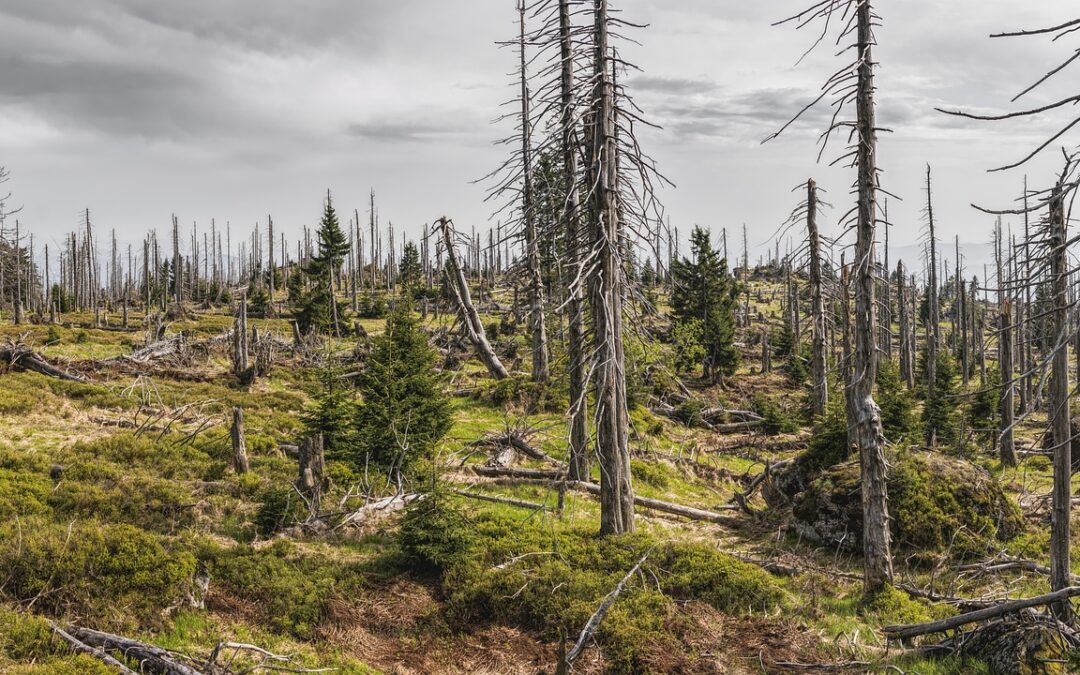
x: 435, y: 534
x: 652, y: 474
x: 776, y: 419
x: 291, y: 589
x: 106, y: 572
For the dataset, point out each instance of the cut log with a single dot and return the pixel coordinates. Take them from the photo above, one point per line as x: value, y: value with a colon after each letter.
x: 499, y: 500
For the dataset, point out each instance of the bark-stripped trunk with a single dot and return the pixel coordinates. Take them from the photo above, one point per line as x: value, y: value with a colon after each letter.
x: 579, y: 432
x: 541, y: 370
x: 907, y: 348
x: 240, y: 336
x: 606, y: 291
x: 864, y: 417
x: 766, y: 352
x: 1060, y: 572
x: 470, y: 317
x: 1006, y: 447
x: 239, y: 442
x: 819, y: 370
x: 933, y: 319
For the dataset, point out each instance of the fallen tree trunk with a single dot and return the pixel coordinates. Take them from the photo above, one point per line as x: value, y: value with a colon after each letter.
x: 499, y: 500
x: 82, y: 647
x: 508, y: 472
x: 151, y: 659
x: 22, y: 357
x: 594, y: 489
x: 908, y: 631
x: 517, y: 443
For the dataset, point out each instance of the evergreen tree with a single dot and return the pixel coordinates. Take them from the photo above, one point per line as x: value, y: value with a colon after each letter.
x: 706, y: 292
x: 332, y: 413
x: 312, y: 295
x: 410, y: 271
x: 403, y: 412
x: 940, y: 413
x: 896, y: 402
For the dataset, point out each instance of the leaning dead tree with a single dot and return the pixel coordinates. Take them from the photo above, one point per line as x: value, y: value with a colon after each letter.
x: 470, y: 317
x: 515, y: 181
x: 853, y: 86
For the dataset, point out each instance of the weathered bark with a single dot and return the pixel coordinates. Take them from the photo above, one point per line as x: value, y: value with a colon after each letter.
x: 579, y: 433
x: 819, y: 370
x: 907, y: 351
x: 311, y: 480
x: 470, y: 317
x: 150, y: 658
x: 240, y: 336
x: 766, y: 352
x: 541, y: 370
x: 1059, y: 409
x: 606, y: 285
x: 239, y: 442
x: 864, y: 417
x: 934, y: 318
x: 1006, y: 443
x: 906, y: 632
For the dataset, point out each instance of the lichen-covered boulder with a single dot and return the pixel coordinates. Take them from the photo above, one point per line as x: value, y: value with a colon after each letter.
x: 936, y: 502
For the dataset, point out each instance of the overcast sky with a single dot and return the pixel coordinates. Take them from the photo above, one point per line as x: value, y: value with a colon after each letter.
x: 235, y: 109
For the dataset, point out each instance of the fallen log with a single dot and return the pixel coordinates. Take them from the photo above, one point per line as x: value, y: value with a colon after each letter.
x: 908, y: 631
x: 594, y: 621
x: 518, y: 443
x: 1010, y: 564
x: 594, y: 489
x: 83, y: 648
x: 508, y: 472
x: 22, y: 357
x: 150, y: 658
x: 499, y: 500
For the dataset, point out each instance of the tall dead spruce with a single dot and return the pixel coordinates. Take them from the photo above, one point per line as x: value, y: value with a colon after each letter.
x: 854, y: 86
x: 1049, y: 266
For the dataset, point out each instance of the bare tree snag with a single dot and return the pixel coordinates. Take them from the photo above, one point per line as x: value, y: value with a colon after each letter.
x: 239, y: 442
x: 819, y: 370
x: 1060, y: 418
x: 579, y: 432
x: 240, y: 337
x: 864, y: 417
x: 471, y: 318
x: 934, y: 318
x: 1006, y: 444
x: 311, y: 480
x: 540, y: 368
x: 606, y: 285
x: 907, y: 347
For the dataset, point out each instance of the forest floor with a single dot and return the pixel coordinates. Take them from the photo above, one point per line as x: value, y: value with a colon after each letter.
x: 114, y: 493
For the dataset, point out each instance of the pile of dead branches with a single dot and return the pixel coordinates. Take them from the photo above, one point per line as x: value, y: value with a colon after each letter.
x: 15, y: 355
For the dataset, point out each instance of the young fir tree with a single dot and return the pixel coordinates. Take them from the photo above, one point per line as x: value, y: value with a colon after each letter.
x: 403, y: 412
x: 332, y: 412
x: 706, y: 292
x: 940, y: 413
x: 410, y: 272
x: 312, y: 294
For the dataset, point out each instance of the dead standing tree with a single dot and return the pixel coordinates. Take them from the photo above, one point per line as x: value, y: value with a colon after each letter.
x: 1052, y: 243
x: 854, y: 86
x: 515, y: 179
x: 469, y: 316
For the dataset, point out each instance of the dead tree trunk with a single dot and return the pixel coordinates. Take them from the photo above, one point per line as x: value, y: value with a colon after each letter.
x: 934, y: 317
x: 239, y: 442
x: 579, y: 433
x: 766, y: 352
x: 606, y: 285
x: 470, y: 317
x: 1006, y: 446
x: 541, y: 369
x: 240, y: 337
x: 864, y: 417
x: 311, y: 480
x: 819, y: 369
x: 907, y: 352
x: 1059, y: 410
